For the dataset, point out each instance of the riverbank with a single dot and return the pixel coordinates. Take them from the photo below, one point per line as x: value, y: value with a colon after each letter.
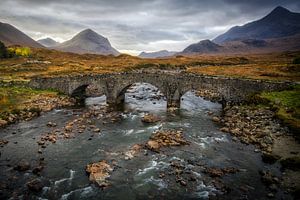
x: 259, y: 125
x: 18, y: 103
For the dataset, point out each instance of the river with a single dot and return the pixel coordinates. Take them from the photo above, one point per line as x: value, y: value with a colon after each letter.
x: 149, y: 175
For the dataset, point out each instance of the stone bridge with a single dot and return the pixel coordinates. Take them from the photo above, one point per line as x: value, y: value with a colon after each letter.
x: 172, y: 85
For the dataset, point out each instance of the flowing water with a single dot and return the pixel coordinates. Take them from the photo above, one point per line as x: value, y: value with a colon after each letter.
x: 138, y: 178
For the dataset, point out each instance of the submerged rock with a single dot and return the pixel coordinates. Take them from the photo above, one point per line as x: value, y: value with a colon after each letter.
x: 268, y: 178
x: 23, y: 165
x: 150, y: 118
x: 99, y: 172
x: 35, y: 185
x: 218, y: 172
x: 134, y: 150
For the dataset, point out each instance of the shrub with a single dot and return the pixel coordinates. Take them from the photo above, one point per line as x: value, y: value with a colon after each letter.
x: 19, y: 51
x: 3, y: 51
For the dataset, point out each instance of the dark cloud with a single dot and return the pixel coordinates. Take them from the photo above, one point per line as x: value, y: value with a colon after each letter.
x: 136, y: 25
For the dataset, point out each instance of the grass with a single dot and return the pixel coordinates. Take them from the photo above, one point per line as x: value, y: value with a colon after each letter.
x: 12, y: 99
x: 287, y: 105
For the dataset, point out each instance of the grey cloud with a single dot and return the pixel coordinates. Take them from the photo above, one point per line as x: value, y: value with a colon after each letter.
x: 136, y: 24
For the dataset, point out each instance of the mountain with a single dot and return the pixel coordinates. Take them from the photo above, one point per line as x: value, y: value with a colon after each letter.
x: 279, y: 23
x: 48, y: 42
x: 157, y: 54
x: 10, y: 35
x: 202, y: 47
x: 88, y: 41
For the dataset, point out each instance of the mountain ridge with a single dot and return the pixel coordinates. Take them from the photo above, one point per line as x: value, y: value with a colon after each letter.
x: 156, y: 54
x: 280, y: 22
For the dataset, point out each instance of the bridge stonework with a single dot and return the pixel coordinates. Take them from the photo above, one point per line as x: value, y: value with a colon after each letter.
x: 172, y: 85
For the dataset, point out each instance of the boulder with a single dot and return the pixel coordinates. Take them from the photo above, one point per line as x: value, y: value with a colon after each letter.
x: 99, y: 172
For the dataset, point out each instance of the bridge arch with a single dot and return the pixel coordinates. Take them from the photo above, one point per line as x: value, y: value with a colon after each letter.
x: 120, y: 93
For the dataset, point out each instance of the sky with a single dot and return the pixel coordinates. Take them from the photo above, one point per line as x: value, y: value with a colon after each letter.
x: 133, y: 26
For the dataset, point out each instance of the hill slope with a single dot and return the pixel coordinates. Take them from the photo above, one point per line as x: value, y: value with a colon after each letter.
x: 88, y: 41
x: 10, y: 35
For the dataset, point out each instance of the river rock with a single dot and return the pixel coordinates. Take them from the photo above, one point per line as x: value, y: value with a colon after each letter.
x: 216, y: 119
x: 51, y: 124
x: 35, y: 185
x: 96, y: 130
x: 68, y: 128
x: 165, y: 138
x: 153, y: 145
x: 3, y: 123
x: 183, y: 183
x: 99, y: 172
x: 23, y: 165
x: 150, y: 118
x: 224, y: 129
x: 3, y: 142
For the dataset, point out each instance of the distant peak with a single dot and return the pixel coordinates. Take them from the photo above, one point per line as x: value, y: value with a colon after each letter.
x: 205, y: 41
x: 280, y: 10
x: 90, y: 35
x: 88, y: 30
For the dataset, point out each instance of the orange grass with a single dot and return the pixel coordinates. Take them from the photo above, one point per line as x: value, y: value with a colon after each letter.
x: 274, y: 66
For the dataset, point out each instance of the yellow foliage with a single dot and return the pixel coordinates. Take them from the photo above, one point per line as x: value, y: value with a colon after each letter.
x: 20, y: 51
